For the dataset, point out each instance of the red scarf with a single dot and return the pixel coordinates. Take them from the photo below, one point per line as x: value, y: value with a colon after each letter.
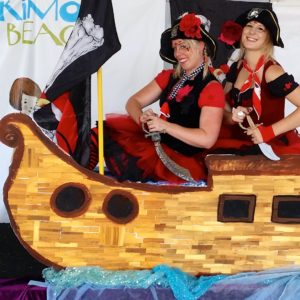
x: 253, y: 78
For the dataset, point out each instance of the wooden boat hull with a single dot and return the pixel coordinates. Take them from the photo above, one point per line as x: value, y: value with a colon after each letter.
x: 138, y: 226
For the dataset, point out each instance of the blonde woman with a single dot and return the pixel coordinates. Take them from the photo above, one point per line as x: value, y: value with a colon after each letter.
x: 191, y: 107
x: 257, y: 86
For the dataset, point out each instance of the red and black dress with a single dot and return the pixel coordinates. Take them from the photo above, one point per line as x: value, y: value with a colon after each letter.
x: 185, y: 110
x: 272, y: 110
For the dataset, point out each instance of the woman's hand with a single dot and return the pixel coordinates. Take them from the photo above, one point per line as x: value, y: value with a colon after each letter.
x: 155, y: 123
x: 146, y: 115
x: 262, y: 134
x: 255, y: 134
x: 239, y: 113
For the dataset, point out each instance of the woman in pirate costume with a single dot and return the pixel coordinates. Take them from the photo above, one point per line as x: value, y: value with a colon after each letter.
x: 257, y: 87
x: 191, y: 108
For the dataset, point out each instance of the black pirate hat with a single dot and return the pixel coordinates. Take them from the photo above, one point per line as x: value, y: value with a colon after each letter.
x: 187, y: 26
x: 266, y: 17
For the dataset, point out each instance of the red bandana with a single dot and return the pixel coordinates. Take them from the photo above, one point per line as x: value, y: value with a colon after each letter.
x: 249, y: 83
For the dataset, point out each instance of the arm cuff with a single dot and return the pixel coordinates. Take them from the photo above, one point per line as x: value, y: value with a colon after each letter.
x: 266, y: 132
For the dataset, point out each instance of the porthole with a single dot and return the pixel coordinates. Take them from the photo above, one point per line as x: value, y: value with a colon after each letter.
x: 286, y: 209
x: 70, y: 199
x: 236, y: 208
x: 120, y: 206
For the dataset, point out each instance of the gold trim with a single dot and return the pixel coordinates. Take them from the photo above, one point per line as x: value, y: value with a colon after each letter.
x: 167, y: 59
x: 215, y: 46
x: 278, y: 29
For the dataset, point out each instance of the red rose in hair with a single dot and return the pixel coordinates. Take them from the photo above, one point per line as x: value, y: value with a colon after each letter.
x: 190, y: 25
x: 231, y: 32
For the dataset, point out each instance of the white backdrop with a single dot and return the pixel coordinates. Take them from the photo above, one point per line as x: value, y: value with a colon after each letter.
x: 25, y: 53
x: 139, y: 25
x: 288, y: 12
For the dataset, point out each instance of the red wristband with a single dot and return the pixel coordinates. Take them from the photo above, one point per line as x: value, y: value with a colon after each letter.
x: 266, y: 132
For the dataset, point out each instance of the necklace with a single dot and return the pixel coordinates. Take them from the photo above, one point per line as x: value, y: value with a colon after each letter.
x: 182, y: 81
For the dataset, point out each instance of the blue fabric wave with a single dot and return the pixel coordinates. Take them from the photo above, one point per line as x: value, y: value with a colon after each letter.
x: 86, y: 282
x: 184, y: 286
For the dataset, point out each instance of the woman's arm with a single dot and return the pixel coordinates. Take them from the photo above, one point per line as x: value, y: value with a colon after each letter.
x: 289, y: 122
x: 144, y: 97
x: 211, y: 101
x: 203, y: 137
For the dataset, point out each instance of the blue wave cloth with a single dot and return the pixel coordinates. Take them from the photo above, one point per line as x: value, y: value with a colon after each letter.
x: 96, y: 283
x: 74, y: 282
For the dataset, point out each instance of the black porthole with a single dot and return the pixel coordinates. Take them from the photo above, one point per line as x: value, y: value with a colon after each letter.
x: 120, y: 206
x: 70, y: 199
x: 236, y: 208
x: 286, y: 209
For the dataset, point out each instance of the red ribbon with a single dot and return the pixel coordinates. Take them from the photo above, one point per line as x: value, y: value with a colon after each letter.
x: 253, y: 78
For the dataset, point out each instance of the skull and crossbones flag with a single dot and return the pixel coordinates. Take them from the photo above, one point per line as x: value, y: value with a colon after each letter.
x: 92, y: 42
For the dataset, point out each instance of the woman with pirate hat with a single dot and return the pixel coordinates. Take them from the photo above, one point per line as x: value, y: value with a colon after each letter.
x: 191, y: 109
x: 257, y: 87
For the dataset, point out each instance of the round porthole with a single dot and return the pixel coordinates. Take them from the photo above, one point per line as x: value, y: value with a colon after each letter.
x: 70, y: 200
x: 120, y: 206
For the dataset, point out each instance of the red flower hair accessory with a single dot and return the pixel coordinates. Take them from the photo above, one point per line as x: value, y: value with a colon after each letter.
x: 190, y: 25
x: 231, y: 32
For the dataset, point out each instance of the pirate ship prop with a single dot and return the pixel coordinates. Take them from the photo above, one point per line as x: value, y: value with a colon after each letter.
x: 247, y: 218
